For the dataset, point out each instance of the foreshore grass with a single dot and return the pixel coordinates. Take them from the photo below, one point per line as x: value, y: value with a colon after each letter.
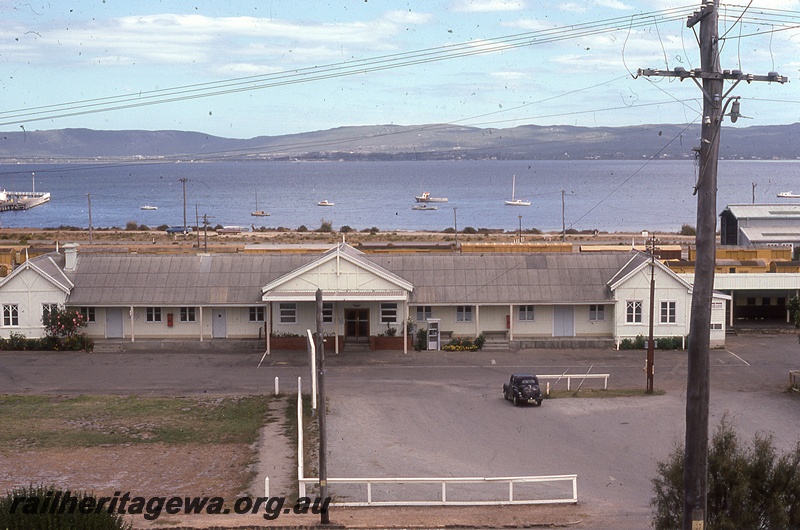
x: 33, y: 422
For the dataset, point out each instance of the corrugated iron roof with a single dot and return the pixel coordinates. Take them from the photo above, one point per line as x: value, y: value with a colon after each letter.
x: 237, y: 279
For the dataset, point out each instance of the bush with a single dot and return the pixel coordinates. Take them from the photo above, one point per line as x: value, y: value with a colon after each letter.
x: 26, y: 515
x: 346, y: 229
x: 687, y: 230
x: 748, y: 487
x: 302, y: 228
x: 422, y: 340
x: 131, y: 225
x: 325, y: 226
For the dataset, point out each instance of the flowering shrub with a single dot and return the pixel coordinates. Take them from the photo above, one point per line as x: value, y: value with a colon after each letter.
x: 62, y: 327
x: 63, y: 322
x: 460, y: 344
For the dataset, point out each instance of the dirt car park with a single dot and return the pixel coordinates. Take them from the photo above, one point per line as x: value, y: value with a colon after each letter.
x: 435, y: 414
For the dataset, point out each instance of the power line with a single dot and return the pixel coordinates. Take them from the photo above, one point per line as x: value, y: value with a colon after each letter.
x: 335, y: 70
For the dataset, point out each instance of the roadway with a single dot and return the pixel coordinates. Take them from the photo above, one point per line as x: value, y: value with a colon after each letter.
x: 442, y: 414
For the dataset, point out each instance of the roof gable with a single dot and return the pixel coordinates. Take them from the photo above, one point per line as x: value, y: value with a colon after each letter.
x: 638, y: 262
x: 342, y: 269
x: 46, y: 267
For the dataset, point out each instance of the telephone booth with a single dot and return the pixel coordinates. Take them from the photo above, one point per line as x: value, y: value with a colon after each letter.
x: 434, y: 339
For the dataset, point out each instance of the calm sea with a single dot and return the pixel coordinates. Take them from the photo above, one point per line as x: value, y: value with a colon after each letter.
x: 604, y: 195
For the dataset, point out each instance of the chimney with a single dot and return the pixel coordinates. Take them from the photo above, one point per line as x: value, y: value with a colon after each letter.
x: 71, y: 254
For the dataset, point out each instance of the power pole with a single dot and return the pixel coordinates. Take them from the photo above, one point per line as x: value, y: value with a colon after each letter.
x: 89, y: 198
x: 184, y: 180
x: 455, y: 225
x: 323, y: 435
x: 563, y: 219
x: 651, y: 343
x: 695, y: 471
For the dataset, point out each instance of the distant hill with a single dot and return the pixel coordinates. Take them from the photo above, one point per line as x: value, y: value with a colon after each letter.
x: 396, y: 142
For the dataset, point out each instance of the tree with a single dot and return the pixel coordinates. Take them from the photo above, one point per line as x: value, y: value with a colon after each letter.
x: 794, y: 310
x: 748, y: 487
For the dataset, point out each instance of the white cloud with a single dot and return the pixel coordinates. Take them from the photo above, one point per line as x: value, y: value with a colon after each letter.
x: 488, y: 6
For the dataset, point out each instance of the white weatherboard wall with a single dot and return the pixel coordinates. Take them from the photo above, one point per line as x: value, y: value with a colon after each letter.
x: 594, y: 328
x: 29, y: 290
x: 637, y: 288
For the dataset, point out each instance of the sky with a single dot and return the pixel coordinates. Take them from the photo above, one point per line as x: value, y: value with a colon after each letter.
x: 246, y: 68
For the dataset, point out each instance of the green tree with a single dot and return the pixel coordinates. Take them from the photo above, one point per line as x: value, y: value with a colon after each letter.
x: 748, y: 487
x: 794, y: 310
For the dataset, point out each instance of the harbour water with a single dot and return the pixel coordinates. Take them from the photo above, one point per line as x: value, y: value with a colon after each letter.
x: 613, y: 196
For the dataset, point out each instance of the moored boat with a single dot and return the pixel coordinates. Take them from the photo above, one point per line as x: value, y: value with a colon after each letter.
x: 514, y: 201
x: 426, y: 197
x: 148, y: 207
x: 789, y: 195
x: 424, y: 207
x: 325, y: 202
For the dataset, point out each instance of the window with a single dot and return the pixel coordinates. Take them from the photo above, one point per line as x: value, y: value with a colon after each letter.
x: 526, y: 312
x: 327, y: 312
x: 751, y: 300
x: 464, y: 313
x: 257, y: 313
x: 388, y: 312
x: 597, y: 312
x: 153, y: 314
x: 424, y: 312
x: 716, y: 325
x: 48, y: 308
x: 633, y: 311
x: 716, y: 305
x: 187, y: 314
x: 10, y: 314
x: 88, y: 314
x: 288, y: 313
x: 667, y: 312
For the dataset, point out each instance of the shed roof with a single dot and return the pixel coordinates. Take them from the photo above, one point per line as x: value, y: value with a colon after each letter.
x: 764, y: 211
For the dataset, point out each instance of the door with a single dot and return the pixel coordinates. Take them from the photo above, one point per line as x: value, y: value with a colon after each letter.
x: 356, y: 325
x: 563, y: 321
x: 114, y: 328
x: 219, y: 324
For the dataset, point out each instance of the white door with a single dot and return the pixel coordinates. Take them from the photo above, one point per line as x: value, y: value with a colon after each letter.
x: 114, y: 327
x: 219, y: 325
x: 563, y: 321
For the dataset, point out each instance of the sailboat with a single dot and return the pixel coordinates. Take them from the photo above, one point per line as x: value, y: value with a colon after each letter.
x: 257, y: 212
x: 514, y: 201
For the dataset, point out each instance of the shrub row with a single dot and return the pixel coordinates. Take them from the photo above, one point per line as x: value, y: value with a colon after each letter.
x: 19, y: 342
x: 662, y: 343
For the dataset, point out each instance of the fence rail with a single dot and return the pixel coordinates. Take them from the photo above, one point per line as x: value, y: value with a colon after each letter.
x: 570, y: 377
x: 444, y: 482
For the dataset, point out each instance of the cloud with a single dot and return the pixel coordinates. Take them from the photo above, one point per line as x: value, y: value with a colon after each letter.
x: 488, y: 6
x: 169, y: 38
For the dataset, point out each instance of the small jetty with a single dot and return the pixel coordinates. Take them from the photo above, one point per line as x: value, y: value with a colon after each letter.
x: 21, y: 200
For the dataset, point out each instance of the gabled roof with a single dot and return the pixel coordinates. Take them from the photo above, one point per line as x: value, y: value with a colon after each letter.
x: 49, y: 266
x: 345, y: 252
x: 638, y: 262
x: 424, y: 278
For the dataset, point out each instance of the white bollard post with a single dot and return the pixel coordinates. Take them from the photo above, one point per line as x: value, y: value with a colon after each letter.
x: 548, y: 388
x: 277, y: 386
x: 266, y: 487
